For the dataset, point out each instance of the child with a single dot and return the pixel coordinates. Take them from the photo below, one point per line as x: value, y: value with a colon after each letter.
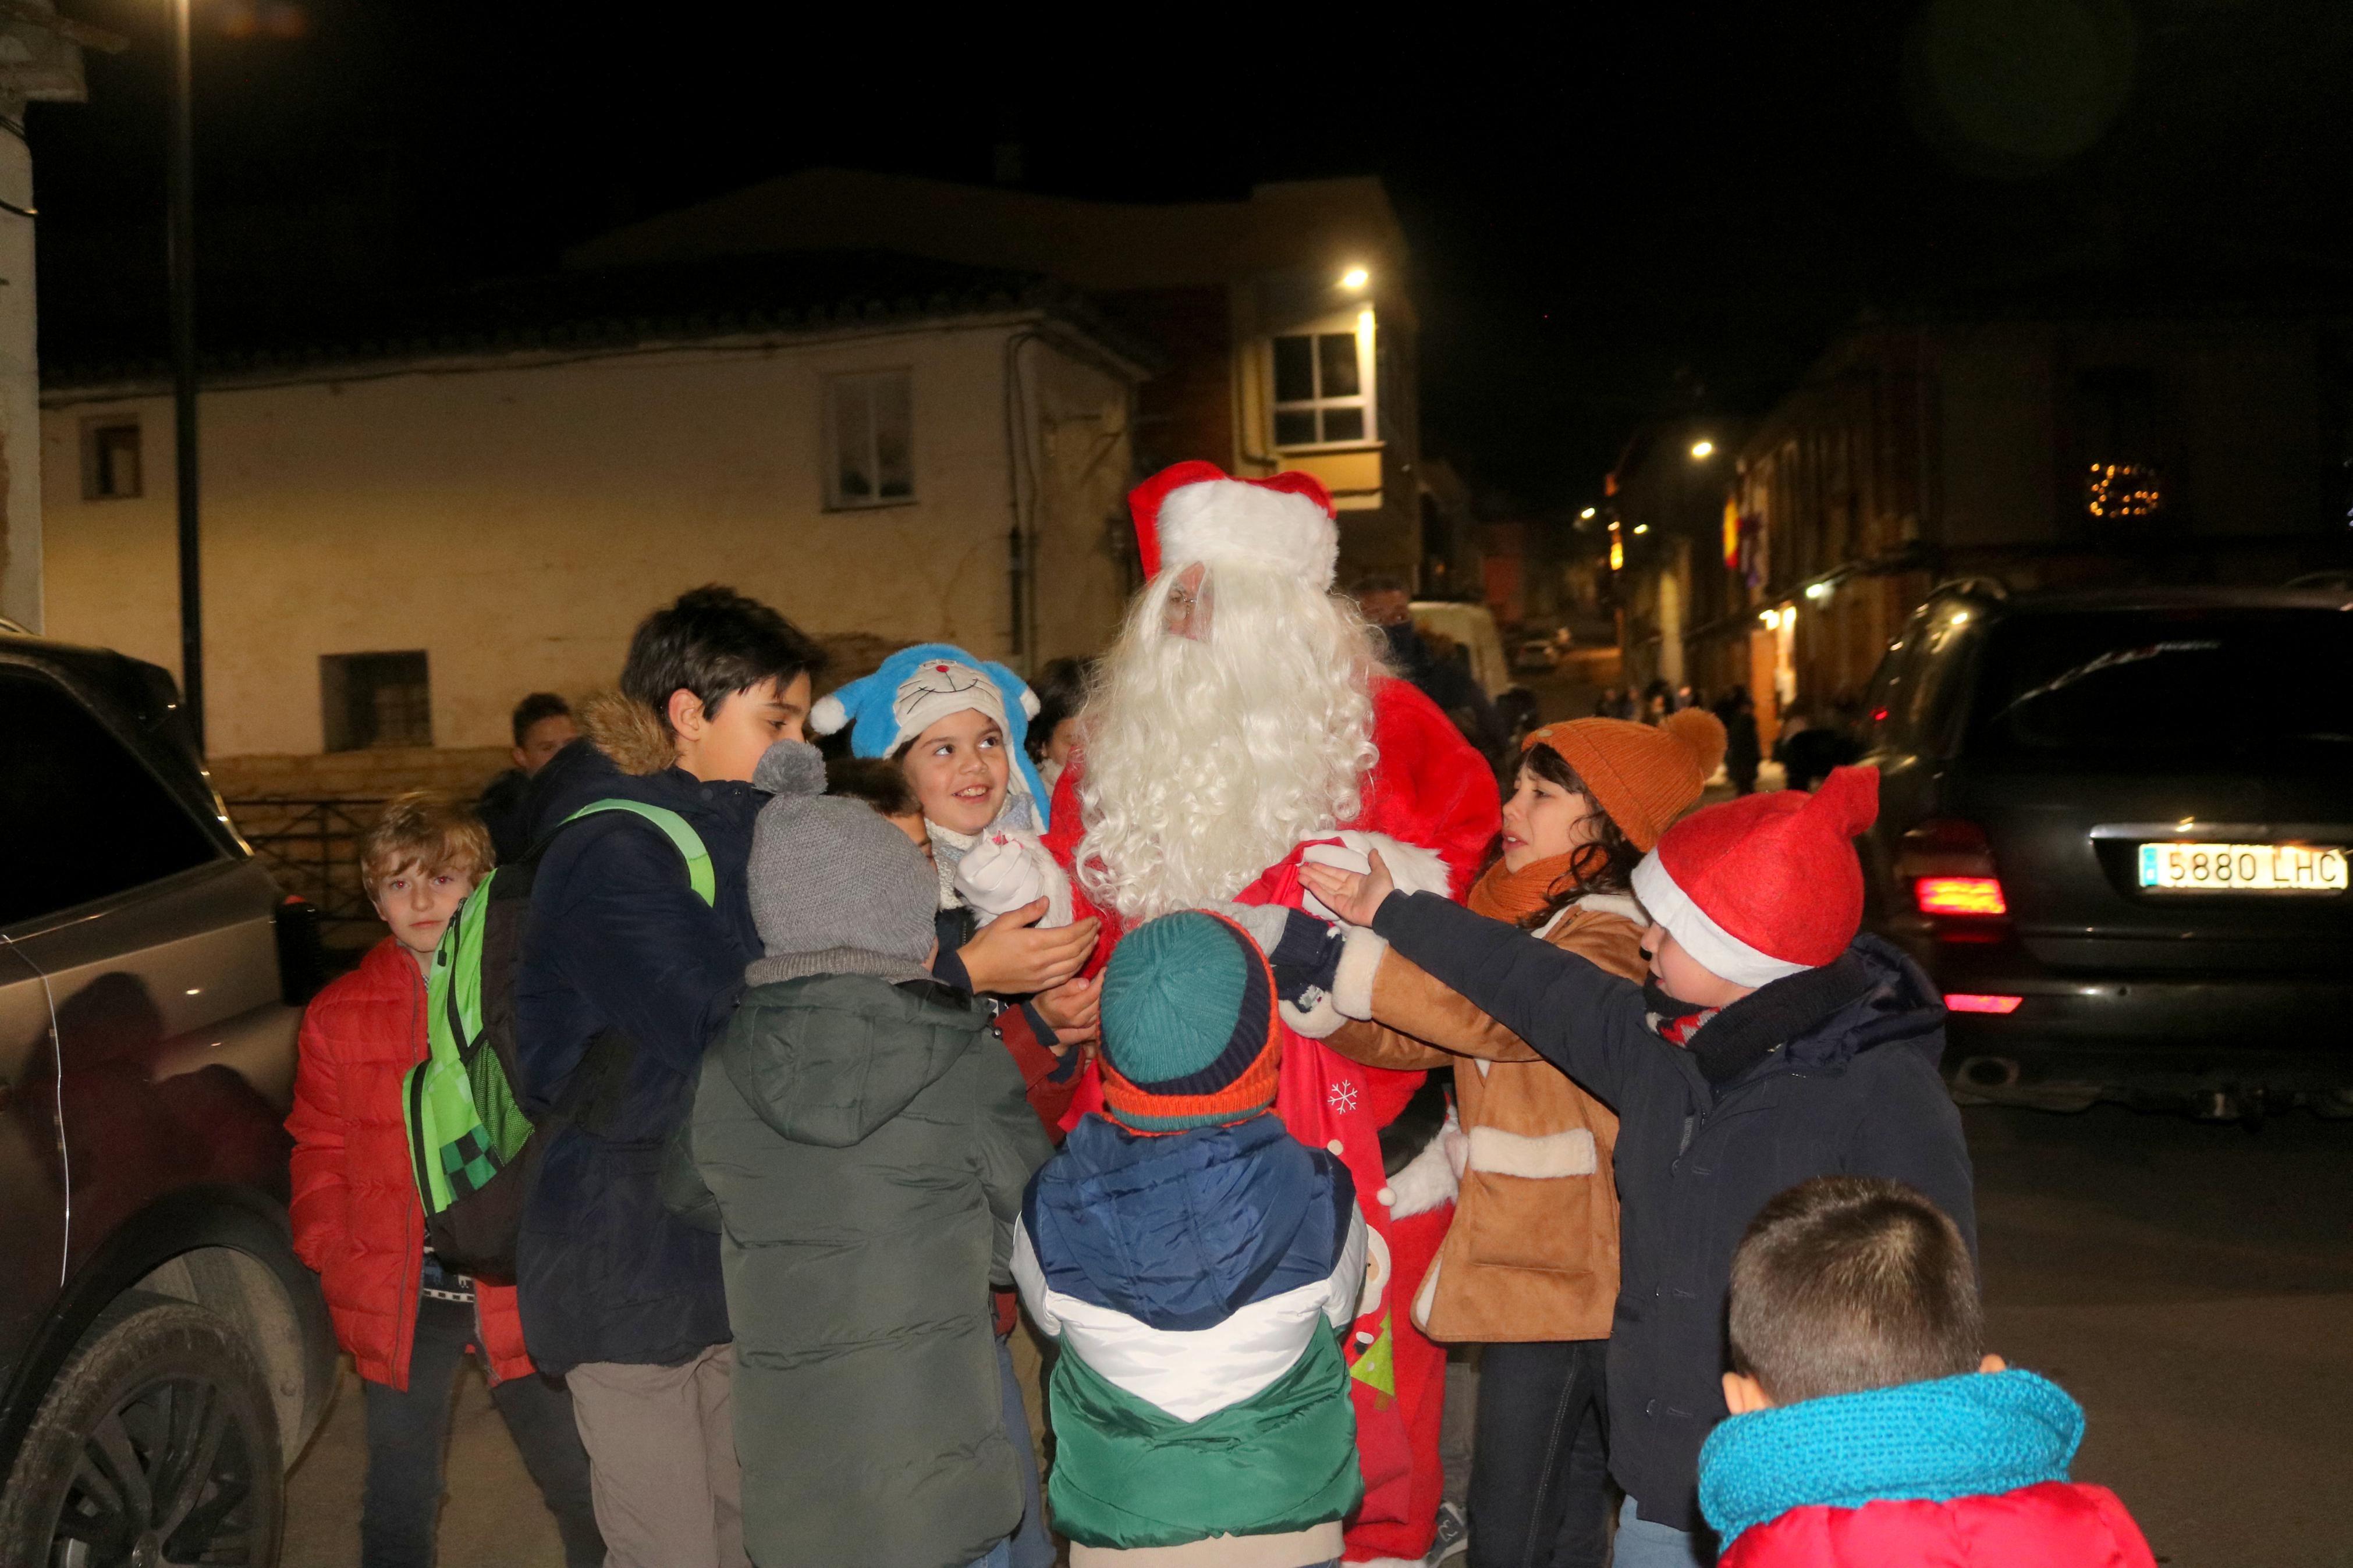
x: 1866, y: 1426
x: 867, y: 1141
x: 625, y: 975
x: 1529, y: 1266
x: 405, y: 1321
x: 1197, y: 1264
x: 1768, y: 1043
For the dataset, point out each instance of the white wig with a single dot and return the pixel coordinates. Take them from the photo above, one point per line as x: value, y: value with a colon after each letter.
x: 1207, y: 761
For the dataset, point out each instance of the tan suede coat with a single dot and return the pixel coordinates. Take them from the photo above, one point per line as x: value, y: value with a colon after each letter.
x: 1533, y: 1251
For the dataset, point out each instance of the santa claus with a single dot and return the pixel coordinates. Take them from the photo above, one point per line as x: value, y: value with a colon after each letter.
x: 1243, y: 722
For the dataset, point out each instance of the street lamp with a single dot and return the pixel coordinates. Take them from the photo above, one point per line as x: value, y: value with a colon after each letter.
x: 180, y: 254
x: 1703, y: 449
x: 1586, y: 514
x: 1355, y: 277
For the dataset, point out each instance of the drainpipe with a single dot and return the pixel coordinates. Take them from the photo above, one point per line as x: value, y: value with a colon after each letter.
x: 1019, y: 563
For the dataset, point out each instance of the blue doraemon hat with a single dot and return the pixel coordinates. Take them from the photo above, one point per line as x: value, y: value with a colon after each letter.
x: 918, y: 687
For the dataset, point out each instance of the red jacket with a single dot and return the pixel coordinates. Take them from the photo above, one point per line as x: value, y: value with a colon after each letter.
x: 356, y: 1217
x: 2055, y: 1524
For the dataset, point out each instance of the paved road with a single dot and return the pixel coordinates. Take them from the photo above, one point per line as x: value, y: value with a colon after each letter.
x: 2192, y: 1284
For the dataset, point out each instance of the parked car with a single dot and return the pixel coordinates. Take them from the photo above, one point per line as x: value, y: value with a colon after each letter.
x: 163, y: 1356
x: 2114, y: 828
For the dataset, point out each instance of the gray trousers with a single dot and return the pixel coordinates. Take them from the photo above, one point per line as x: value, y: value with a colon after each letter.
x: 661, y: 1460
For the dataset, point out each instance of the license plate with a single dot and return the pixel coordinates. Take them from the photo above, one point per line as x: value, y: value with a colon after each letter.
x: 2242, y: 868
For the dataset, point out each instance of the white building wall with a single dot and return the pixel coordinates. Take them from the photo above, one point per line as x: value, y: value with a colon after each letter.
x: 516, y: 518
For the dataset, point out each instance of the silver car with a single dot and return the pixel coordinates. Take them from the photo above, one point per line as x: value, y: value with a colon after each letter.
x: 163, y: 1356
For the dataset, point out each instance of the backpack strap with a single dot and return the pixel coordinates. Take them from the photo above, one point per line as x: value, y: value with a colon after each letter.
x: 699, y: 875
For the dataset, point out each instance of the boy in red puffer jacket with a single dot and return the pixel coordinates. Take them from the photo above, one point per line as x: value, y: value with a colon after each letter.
x: 404, y: 1320
x: 1867, y: 1428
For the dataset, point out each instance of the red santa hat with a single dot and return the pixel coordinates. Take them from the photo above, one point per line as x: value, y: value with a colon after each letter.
x: 1765, y: 886
x: 1196, y: 511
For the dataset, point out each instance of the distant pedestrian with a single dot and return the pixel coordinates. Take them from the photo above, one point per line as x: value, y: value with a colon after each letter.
x: 1387, y: 604
x: 1604, y: 705
x: 1061, y: 691
x: 542, y: 726
x: 1743, y: 751
x: 867, y: 1141
x: 1196, y: 1262
x: 624, y: 976
x: 1868, y: 1425
x: 1658, y: 701
x: 405, y: 1321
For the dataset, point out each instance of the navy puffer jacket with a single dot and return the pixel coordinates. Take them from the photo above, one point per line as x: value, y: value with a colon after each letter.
x: 618, y: 940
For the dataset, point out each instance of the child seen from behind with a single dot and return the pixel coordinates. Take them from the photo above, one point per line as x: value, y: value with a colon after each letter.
x: 1868, y: 1424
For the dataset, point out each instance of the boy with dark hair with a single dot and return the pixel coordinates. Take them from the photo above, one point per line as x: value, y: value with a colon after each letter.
x: 1867, y: 1428
x: 1769, y: 1041
x: 405, y: 1321
x: 624, y: 976
x: 542, y: 726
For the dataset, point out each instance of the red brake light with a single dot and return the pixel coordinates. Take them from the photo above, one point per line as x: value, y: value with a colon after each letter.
x: 1949, y: 864
x: 1960, y: 896
x: 1967, y: 1003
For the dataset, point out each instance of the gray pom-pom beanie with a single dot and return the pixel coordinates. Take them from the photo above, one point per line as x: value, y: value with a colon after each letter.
x: 836, y: 887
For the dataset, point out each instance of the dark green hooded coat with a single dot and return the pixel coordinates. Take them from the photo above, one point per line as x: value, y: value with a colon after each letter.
x: 868, y: 1143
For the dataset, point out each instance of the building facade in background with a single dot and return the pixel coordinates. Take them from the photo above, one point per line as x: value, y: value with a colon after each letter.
x: 403, y: 537
x: 2041, y: 444
x: 1287, y: 337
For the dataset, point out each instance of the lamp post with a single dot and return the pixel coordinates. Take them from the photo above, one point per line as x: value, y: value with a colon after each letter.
x: 180, y: 254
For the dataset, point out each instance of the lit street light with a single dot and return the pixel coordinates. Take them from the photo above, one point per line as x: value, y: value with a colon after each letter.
x: 1586, y: 514
x: 1355, y: 277
x: 1703, y: 449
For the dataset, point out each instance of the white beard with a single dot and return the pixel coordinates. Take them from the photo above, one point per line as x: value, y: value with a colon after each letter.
x: 1207, y: 762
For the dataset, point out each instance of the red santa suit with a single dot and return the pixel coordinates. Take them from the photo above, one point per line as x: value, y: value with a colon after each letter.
x: 1429, y: 804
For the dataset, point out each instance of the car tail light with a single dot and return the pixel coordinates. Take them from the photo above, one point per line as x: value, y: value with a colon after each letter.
x: 1949, y: 864
x: 1969, y: 1003
x: 1979, y: 896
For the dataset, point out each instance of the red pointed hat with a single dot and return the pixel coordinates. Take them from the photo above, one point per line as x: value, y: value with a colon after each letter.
x: 1762, y: 886
x: 1197, y: 511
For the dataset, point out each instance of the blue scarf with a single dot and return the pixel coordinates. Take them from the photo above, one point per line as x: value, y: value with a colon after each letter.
x: 1975, y: 1436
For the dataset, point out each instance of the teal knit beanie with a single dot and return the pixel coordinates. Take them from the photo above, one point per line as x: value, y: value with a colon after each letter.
x: 1188, y: 1025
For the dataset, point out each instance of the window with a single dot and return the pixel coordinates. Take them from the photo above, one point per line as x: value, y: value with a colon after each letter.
x: 870, y: 441
x: 375, y: 700
x: 82, y: 816
x: 1324, y: 387
x: 2116, y: 421
x: 109, y: 460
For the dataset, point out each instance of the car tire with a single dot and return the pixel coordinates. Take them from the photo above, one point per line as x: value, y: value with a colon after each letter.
x: 157, y: 1444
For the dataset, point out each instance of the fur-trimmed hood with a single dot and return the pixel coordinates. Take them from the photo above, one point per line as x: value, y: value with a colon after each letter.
x: 627, y: 731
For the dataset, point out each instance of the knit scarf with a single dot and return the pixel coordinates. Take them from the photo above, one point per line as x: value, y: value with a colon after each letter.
x: 1728, y: 1041
x: 1979, y: 1435
x: 1513, y: 896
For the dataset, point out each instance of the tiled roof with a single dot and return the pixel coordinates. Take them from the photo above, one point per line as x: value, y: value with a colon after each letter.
x: 610, y: 310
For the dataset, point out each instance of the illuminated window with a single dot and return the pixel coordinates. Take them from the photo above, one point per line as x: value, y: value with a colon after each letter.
x: 2120, y: 438
x: 870, y: 441
x: 1324, y: 387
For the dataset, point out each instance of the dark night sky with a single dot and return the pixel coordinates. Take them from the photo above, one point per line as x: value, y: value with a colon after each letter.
x: 1613, y: 215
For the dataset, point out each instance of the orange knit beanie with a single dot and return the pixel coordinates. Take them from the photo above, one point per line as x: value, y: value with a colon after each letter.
x: 1644, y: 777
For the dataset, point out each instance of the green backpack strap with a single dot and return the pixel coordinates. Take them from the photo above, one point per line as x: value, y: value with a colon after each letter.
x: 699, y: 875
x: 454, y: 1138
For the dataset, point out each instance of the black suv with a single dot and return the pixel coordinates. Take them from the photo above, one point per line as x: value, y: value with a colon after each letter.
x: 2114, y: 827
x: 163, y: 1354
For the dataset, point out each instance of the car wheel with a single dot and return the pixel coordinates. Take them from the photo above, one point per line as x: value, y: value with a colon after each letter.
x: 156, y: 1445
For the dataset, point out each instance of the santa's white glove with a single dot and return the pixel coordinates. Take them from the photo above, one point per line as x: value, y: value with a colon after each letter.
x: 1008, y: 869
